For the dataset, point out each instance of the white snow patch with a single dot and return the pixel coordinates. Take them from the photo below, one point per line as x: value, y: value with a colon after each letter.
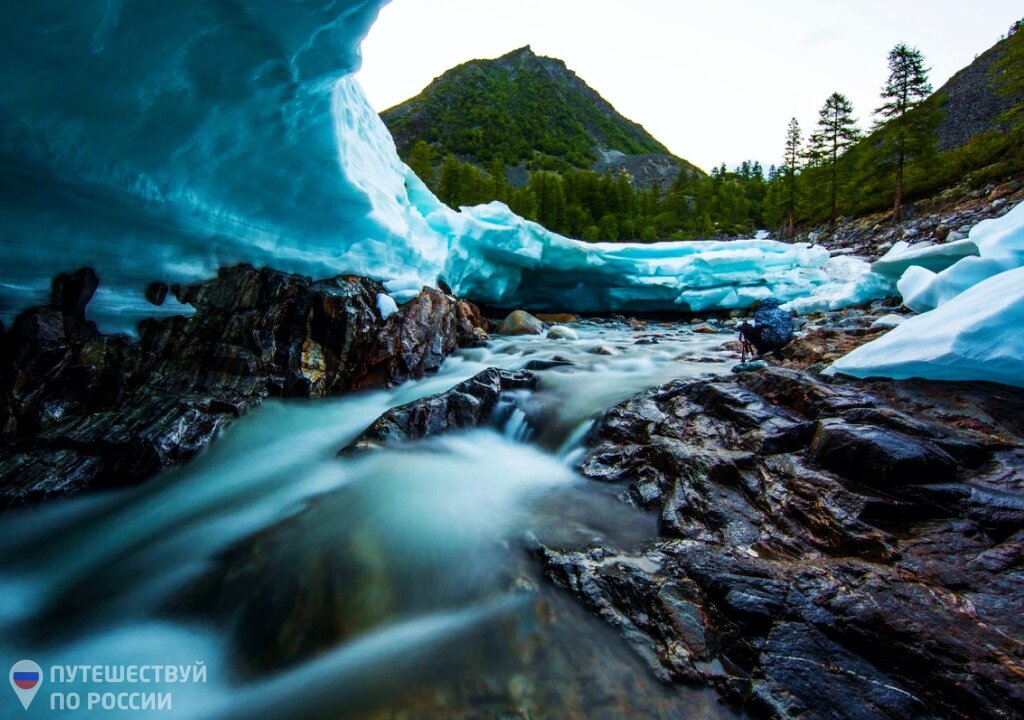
x: 386, y: 305
x: 975, y: 336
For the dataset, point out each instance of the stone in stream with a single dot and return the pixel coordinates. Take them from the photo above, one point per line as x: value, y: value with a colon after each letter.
x: 470, y: 404
x: 81, y: 410
x: 561, y: 332
x: 705, y: 328
x: 520, y: 322
x: 558, y: 318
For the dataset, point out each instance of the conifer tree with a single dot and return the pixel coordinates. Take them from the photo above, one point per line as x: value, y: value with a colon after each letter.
x: 499, y: 185
x: 837, y: 130
x: 794, y: 143
x: 448, y: 190
x: 904, y: 134
x: 421, y: 161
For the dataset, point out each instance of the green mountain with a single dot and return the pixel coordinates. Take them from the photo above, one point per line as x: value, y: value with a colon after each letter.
x: 532, y: 113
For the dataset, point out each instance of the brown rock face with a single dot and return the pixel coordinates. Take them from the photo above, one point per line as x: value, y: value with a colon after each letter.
x: 416, y: 340
x: 826, y: 549
x: 82, y: 410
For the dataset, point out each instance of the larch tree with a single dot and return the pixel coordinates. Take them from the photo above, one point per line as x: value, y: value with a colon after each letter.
x: 837, y: 130
x: 905, y: 134
x: 421, y: 162
x: 794, y: 146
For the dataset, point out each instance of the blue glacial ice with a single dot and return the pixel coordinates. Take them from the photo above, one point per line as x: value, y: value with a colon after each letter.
x: 500, y: 259
x: 974, y: 336
x: 160, y: 141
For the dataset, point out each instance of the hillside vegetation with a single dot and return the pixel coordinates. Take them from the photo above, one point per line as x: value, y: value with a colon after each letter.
x: 527, y: 131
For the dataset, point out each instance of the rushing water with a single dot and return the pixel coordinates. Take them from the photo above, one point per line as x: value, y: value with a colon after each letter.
x: 388, y: 584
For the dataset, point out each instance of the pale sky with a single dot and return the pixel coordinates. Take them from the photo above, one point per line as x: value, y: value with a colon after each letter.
x: 714, y: 81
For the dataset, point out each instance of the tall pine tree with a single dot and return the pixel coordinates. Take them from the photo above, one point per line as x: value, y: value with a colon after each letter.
x: 837, y: 130
x: 794, y: 144
x: 904, y: 134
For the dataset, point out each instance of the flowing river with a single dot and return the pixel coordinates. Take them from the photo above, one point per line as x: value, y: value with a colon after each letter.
x: 395, y: 583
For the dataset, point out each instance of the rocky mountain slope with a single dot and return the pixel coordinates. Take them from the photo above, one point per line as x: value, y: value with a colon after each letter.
x: 532, y: 111
x: 971, y: 100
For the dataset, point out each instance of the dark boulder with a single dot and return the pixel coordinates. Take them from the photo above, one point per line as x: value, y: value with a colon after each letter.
x: 156, y: 293
x: 879, y: 457
x: 470, y: 404
x: 71, y: 292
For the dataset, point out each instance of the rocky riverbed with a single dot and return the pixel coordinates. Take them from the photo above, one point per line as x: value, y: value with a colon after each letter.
x: 593, y: 518
x: 824, y: 548
x: 946, y: 218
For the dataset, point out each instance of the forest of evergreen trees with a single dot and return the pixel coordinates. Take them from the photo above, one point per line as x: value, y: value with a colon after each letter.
x: 836, y: 170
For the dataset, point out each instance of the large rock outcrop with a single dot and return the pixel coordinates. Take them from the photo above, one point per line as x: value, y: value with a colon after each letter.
x: 471, y: 404
x: 83, y: 410
x: 826, y: 550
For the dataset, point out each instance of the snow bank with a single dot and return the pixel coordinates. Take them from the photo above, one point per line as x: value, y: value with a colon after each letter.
x: 903, y: 255
x: 977, y: 335
x: 160, y: 141
x: 1000, y: 244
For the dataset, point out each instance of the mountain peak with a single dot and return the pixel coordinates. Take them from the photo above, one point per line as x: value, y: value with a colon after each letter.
x: 526, y: 110
x: 524, y: 51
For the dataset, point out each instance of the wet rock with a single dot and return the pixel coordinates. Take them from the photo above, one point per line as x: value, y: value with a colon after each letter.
x: 705, y: 328
x: 751, y: 366
x: 156, y: 292
x: 415, y: 341
x: 537, y: 365
x: 879, y: 457
x: 560, y: 332
x: 470, y: 404
x: 82, y: 411
x: 71, y: 292
x: 558, y: 318
x: 520, y: 322
x: 825, y: 548
x: 603, y: 350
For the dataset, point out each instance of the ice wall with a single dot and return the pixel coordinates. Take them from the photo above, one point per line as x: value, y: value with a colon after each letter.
x: 160, y: 140
x: 501, y: 259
